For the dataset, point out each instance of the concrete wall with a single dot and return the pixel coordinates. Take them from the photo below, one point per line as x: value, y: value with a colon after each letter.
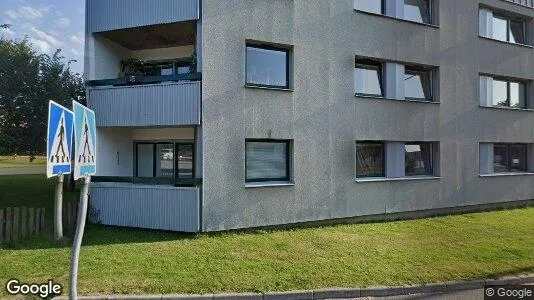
x: 324, y: 118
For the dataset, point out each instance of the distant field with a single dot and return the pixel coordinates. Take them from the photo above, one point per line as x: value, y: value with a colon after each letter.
x: 21, y: 161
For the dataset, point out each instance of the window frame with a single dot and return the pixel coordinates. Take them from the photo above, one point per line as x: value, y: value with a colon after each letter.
x: 382, y: 8
x: 287, y: 51
x: 509, y: 147
x: 430, y: 13
x: 289, y: 152
x: 509, y: 92
x: 432, y: 158
x: 371, y: 65
x: 175, y: 144
x: 509, y: 19
x: 420, y: 71
x: 384, y: 158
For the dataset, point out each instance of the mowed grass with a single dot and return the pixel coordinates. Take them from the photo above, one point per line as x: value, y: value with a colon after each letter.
x: 130, y: 261
x: 32, y: 191
x: 21, y: 161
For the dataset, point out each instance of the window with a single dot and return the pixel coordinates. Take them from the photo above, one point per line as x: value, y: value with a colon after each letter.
x: 417, y: 11
x: 167, y: 68
x: 418, y: 159
x: 417, y: 84
x: 509, y: 158
x: 368, y: 78
x: 267, y: 66
x: 159, y: 160
x: 267, y: 160
x: 509, y: 93
x: 371, y: 6
x: 370, y: 159
x: 508, y: 29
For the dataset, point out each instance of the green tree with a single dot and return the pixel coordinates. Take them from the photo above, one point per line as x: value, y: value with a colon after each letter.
x: 28, y: 80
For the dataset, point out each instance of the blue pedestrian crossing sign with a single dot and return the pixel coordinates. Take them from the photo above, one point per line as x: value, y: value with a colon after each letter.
x: 59, y: 140
x: 84, y: 140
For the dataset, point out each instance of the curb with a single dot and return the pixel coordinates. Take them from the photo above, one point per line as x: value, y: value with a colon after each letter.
x: 333, y: 293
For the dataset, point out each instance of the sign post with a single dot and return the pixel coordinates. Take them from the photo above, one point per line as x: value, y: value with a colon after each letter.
x: 58, y: 160
x: 84, y: 167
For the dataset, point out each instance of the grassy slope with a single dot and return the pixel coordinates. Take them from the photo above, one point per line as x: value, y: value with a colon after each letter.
x: 32, y: 191
x: 21, y: 161
x: 115, y: 260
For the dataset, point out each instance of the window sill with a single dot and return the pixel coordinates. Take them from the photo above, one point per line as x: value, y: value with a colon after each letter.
x: 399, y: 19
x: 268, y: 184
x: 508, y: 108
x: 406, y: 178
x: 506, y: 174
x: 504, y: 42
x: 268, y: 88
x: 392, y: 99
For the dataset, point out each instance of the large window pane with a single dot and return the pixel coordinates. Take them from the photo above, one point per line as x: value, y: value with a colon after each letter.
x: 418, y: 159
x: 517, y: 95
x: 367, y: 80
x: 500, y: 159
x: 372, y: 6
x: 518, y: 155
x: 267, y: 67
x: 185, y: 160
x: 267, y: 161
x: 417, y: 11
x: 164, y: 160
x: 517, y: 34
x: 500, y: 93
x: 370, y: 159
x: 500, y: 28
x: 417, y: 84
x: 145, y: 160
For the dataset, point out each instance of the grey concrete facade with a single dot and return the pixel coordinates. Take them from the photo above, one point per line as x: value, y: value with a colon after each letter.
x: 324, y: 118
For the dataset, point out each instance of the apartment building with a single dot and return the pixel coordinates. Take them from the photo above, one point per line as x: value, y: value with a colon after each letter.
x: 216, y: 115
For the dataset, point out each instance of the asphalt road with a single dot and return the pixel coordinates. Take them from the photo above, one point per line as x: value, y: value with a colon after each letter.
x: 22, y: 170
x: 458, y: 295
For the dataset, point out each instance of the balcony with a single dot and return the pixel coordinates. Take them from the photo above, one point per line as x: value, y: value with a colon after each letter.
x: 106, y: 15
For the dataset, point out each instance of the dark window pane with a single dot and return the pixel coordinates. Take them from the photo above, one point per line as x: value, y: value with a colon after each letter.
x: 184, y: 160
x: 417, y: 84
x: 164, y: 160
x: 500, y: 28
x: 519, y: 158
x: 500, y: 93
x: 367, y: 80
x: 500, y: 159
x: 369, y: 159
x: 145, y: 160
x: 517, y: 95
x: 418, y: 159
x: 517, y: 34
x: 372, y: 6
x: 417, y: 11
x: 267, y: 161
x: 266, y: 67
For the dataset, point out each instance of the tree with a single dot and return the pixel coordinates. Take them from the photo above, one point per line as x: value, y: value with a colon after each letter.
x: 27, y: 82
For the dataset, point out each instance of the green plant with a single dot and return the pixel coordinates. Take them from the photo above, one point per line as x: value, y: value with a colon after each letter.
x: 132, y: 66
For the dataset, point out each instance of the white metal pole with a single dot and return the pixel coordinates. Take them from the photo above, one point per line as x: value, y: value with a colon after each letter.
x: 76, y: 246
x: 58, y: 208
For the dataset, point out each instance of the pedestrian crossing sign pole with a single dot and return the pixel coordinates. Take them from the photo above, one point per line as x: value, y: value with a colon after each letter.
x: 58, y: 152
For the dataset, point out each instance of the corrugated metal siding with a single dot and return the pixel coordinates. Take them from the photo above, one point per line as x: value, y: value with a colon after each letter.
x: 529, y: 3
x: 146, y: 105
x: 105, y: 15
x: 152, y: 207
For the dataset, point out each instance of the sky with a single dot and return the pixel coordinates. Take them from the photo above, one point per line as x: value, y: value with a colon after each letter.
x: 48, y: 25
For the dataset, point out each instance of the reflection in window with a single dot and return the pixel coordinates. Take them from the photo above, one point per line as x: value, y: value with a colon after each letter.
x: 370, y: 159
x: 517, y: 32
x: 417, y: 84
x: 368, y: 78
x: 418, y: 159
x: 267, y: 161
x: 508, y: 29
x: 372, y: 6
x: 509, y: 93
x: 267, y: 66
x: 509, y: 158
x: 184, y: 159
x: 164, y: 160
x: 417, y: 11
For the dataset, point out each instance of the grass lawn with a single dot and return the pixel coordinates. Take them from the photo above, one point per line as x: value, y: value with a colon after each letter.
x: 131, y: 261
x: 32, y: 191
x: 21, y: 161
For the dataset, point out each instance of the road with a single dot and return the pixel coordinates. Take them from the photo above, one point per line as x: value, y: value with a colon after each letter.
x: 457, y: 295
x: 22, y: 170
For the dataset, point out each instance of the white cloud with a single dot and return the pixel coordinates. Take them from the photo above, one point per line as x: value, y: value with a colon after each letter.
x: 77, y: 39
x: 12, y: 14
x: 44, y: 42
x: 62, y: 23
x: 7, y: 33
x: 31, y: 13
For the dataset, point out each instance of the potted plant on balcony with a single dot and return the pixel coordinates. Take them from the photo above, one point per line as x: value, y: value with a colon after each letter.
x: 133, y: 69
